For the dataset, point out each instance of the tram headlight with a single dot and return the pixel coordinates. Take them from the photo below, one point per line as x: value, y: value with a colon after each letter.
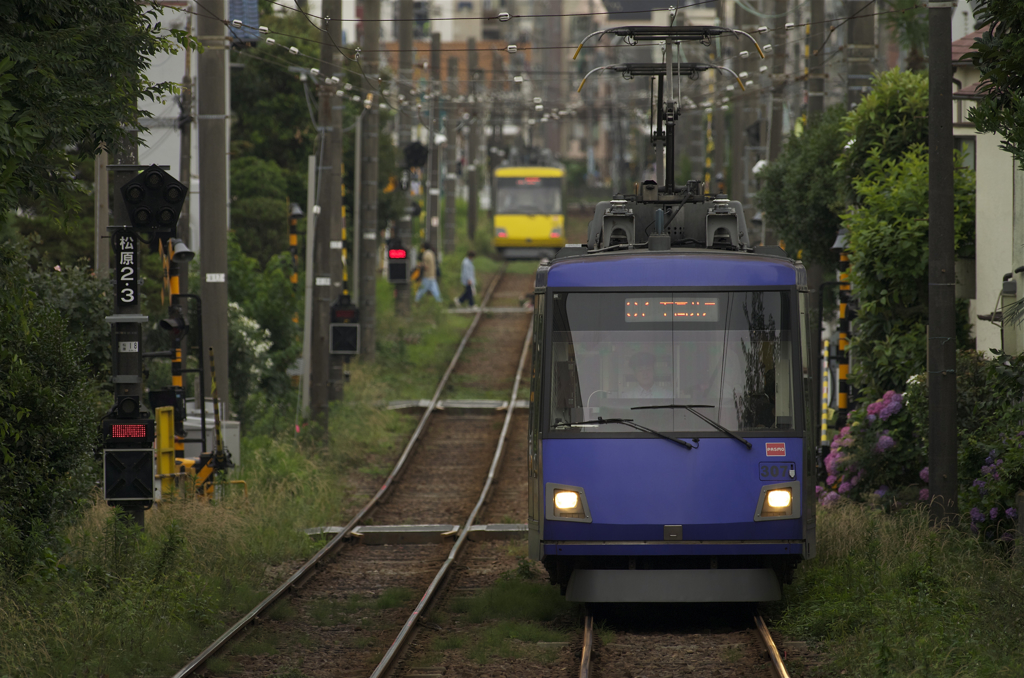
x: 566, y: 500
x: 778, y: 499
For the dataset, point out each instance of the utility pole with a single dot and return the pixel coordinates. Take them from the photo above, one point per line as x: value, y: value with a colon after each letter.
x: 213, y: 197
x: 815, y: 61
x: 860, y: 49
x: 369, y: 171
x: 101, y: 216
x: 941, y: 310
x: 778, y: 88
x: 333, y: 188
x: 450, y: 123
x: 405, y: 112
x: 434, y: 160
x: 474, y: 141
x: 185, y: 172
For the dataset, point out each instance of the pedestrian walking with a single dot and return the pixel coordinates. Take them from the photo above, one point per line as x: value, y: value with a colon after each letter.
x: 428, y: 277
x: 468, y: 280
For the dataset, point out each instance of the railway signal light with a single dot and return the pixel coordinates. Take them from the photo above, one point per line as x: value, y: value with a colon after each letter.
x: 128, y: 469
x: 398, y: 263
x: 344, y: 327
x: 416, y: 155
x: 154, y: 199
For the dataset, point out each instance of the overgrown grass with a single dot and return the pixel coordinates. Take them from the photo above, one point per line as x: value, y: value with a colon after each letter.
x: 508, y: 619
x: 890, y: 596
x: 119, y: 602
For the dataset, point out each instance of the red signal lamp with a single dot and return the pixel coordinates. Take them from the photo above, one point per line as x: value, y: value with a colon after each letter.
x: 397, y: 254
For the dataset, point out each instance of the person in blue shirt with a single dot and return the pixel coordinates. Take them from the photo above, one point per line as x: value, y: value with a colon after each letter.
x: 468, y: 279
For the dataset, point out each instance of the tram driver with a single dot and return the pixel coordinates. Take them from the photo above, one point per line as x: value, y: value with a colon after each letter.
x: 646, y: 386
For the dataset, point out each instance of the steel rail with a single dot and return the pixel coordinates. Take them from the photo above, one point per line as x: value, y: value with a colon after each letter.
x: 403, y: 637
x: 588, y: 645
x: 778, y: 670
x: 308, y: 568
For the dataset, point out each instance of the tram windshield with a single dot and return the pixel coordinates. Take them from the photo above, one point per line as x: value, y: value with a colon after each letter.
x: 728, y: 355
x: 528, y: 195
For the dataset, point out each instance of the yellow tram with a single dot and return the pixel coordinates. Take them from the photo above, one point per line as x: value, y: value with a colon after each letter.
x: 528, y: 217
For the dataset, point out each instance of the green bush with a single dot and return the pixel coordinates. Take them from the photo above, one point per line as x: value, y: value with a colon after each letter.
x: 888, y: 253
x: 802, y: 193
x: 48, y: 418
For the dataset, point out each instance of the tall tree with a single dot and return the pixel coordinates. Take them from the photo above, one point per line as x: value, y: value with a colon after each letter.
x: 71, y: 78
x: 999, y: 54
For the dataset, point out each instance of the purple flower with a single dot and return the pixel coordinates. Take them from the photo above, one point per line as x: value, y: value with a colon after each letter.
x: 884, y: 443
x: 979, y: 483
x: 924, y: 494
x: 989, y: 459
x: 882, y: 491
x: 829, y: 499
x: 994, y: 513
x: 831, y: 480
x: 1011, y: 513
x: 923, y: 475
x: 871, y: 418
x: 845, y: 487
x: 818, y: 489
x: 976, y: 515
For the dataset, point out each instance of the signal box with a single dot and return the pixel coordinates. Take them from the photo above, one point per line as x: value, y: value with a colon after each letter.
x: 344, y: 327
x: 128, y: 469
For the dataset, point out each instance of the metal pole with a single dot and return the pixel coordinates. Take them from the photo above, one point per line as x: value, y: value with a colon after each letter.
x: 213, y: 173
x: 860, y: 49
x: 815, y: 61
x: 448, y: 238
x: 472, y: 176
x: 307, y: 315
x: 101, y: 217
x: 370, y: 151
x: 942, y: 441
x: 434, y: 175
x: 357, y: 211
x: 405, y: 115
x: 329, y: 67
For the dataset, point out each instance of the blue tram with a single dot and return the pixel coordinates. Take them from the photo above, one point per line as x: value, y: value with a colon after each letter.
x: 670, y: 453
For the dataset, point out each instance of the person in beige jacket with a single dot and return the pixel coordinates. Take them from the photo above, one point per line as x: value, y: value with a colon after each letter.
x: 428, y: 279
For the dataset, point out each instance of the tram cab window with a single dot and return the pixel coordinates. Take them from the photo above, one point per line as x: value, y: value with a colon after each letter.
x: 728, y: 354
x: 527, y: 195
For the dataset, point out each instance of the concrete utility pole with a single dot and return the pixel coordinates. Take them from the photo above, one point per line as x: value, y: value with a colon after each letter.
x: 778, y: 87
x: 816, y: 62
x: 941, y: 280
x: 448, y: 230
x: 472, y: 181
x: 434, y: 160
x: 213, y: 196
x: 368, y: 204
x: 101, y: 216
x: 860, y: 49
x: 405, y: 120
x: 334, y: 160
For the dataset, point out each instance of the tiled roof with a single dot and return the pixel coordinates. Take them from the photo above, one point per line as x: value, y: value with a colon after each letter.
x: 965, y: 44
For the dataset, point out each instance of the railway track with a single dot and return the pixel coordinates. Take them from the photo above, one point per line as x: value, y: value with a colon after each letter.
x: 681, y: 654
x: 339, y: 608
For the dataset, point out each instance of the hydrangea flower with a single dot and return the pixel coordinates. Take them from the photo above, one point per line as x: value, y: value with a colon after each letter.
x: 845, y: 487
x: 829, y: 499
x: 882, y: 491
x: 818, y: 489
x: 923, y: 475
x: 994, y: 513
x: 976, y: 515
x: 885, y: 442
x: 924, y: 494
x: 1011, y: 513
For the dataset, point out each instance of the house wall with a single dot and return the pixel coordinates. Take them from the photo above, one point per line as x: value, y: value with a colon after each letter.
x: 993, y: 221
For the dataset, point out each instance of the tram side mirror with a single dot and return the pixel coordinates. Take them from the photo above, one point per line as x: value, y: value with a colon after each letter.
x: 722, y: 225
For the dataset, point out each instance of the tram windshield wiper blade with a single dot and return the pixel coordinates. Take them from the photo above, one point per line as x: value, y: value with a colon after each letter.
x: 693, y: 409
x: 631, y: 424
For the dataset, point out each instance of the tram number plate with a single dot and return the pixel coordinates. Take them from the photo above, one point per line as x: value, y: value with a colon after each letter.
x: 773, y: 470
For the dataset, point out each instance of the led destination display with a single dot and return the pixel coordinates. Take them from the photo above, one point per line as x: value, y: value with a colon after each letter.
x: 676, y: 309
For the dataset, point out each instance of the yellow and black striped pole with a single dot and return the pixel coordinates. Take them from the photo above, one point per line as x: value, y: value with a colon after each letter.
x: 825, y: 388
x: 843, y: 352
x: 293, y: 248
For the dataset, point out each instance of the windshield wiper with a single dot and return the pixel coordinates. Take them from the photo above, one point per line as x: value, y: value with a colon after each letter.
x: 693, y: 409
x: 625, y: 422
